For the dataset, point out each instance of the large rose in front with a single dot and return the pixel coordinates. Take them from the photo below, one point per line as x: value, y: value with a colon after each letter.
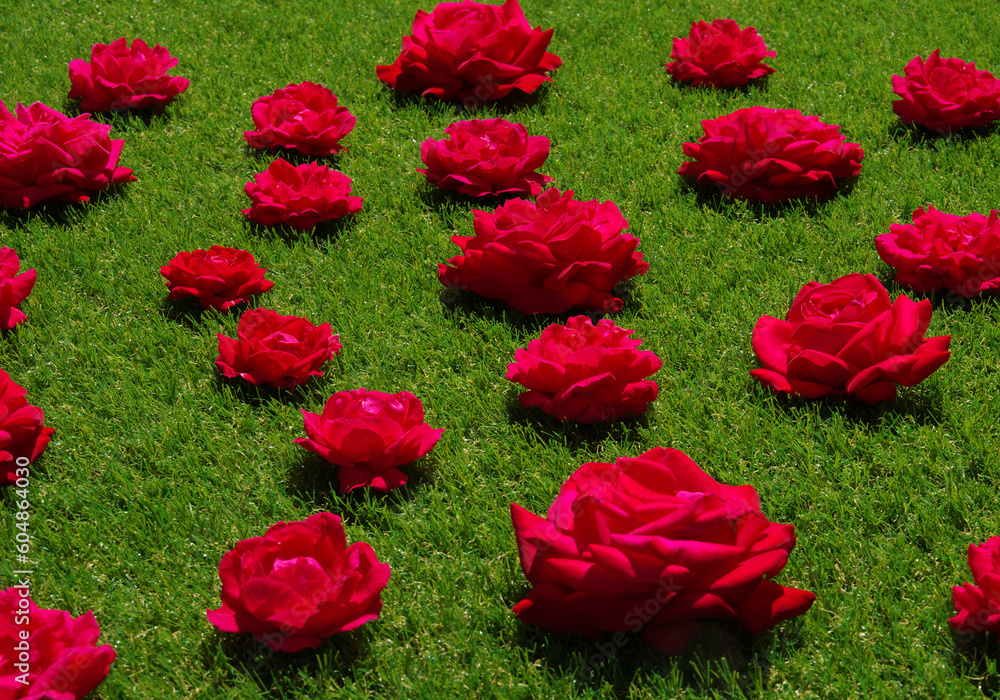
x: 23, y: 434
x: 219, y: 278
x: 546, y: 256
x: 771, y: 155
x: 848, y: 337
x: 60, y: 660
x: 14, y: 288
x: 299, y: 196
x: 120, y: 76
x: 653, y: 543
x: 945, y: 94
x: 299, y: 584
x: 46, y: 156
x: 978, y: 606
x: 719, y: 54
x: 303, y: 117
x: 475, y: 52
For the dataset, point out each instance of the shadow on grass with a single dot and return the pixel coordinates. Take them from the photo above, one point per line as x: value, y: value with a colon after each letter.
x: 917, y: 135
x: 124, y: 120
x: 977, y: 657
x: 476, y: 106
x: 60, y: 214
x: 264, y: 157
x: 261, y: 395
x: 575, y: 436
x: 758, y: 84
x: 323, y: 235
x: 942, y: 299
x: 714, y: 198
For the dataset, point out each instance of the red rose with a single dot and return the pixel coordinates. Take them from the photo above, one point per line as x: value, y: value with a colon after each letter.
x: 719, y: 54
x: 218, y: 278
x: 47, y: 156
x: 368, y: 434
x: 304, y: 117
x: 653, y: 543
x: 477, y: 53
x: 847, y: 337
x: 60, y: 660
x: 960, y: 253
x: 281, y: 351
x: 14, y: 288
x: 584, y: 372
x: 23, y: 435
x: 298, y: 584
x: 299, y: 196
x: 123, y: 77
x: 978, y: 606
x: 945, y: 94
x: 771, y: 155
x: 546, y: 256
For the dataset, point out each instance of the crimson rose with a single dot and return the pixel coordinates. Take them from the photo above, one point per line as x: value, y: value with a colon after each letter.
x: 14, y: 288
x: 304, y: 117
x: 719, y: 54
x: 120, y: 76
x: 299, y: 196
x: 978, y: 606
x: 218, y: 278
x: 23, y: 435
x: 945, y: 94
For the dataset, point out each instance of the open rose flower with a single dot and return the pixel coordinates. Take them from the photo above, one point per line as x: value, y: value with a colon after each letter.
x: 945, y: 94
x: 299, y: 196
x: 546, y: 256
x: 958, y: 253
x: 303, y: 117
x: 46, y: 156
x: 14, y: 288
x: 771, y: 155
x: 60, y: 659
x: 475, y: 52
x: 719, y: 54
x: 120, y: 76
x: 299, y: 584
x: 219, y: 278
x: 584, y: 372
x: 369, y: 434
x: 848, y: 337
x: 486, y: 157
x: 280, y: 351
x: 23, y: 435
x: 653, y: 544
x: 978, y: 606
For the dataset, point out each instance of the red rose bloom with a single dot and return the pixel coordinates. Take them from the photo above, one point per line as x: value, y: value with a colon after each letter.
x: 653, y: 543
x: 123, y: 77
x: 719, y: 54
x: 475, y: 52
x: 14, y: 288
x: 23, y: 435
x: 546, y: 256
x: 584, y: 372
x: 960, y: 253
x: 368, y: 434
x: 305, y: 117
x: 281, y: 351
x: 60, y: 660
x: 847, y: 337
x: 298, y: 584
x: 978, y: 606
x: 945, y: 94
x: 218, y: 278
x: 771, y: 155
x: 299, y: 196
x: 47, y: 156
x: 490, y: 156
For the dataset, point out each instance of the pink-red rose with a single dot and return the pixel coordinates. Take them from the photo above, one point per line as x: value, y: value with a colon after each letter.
x: 120, y: 76
x: 299, y: 196
x: 719, y: 54
x: 299, y: 584
x: 23, y: 435
x: 14, y: 288
x: 653, y: 543
x: 848, y: 337
x: 280, y: 351
x: 959, y: 253
x: 546, y: 256
x: 486, y: 157
x: 304, y: 117
x: 218, y: 278
x: 369, y: 434
x: 945, y: 94
x: 771, y: 155
x: 584, y: 372
x: 60, y: 659
x: 46, y: 156
x: 475, y: 52
x: 978, y: 606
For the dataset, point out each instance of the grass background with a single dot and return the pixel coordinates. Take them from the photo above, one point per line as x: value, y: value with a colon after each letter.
x: 156, y: 468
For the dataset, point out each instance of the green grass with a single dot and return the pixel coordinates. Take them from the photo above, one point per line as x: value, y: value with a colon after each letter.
x: 156, y: 468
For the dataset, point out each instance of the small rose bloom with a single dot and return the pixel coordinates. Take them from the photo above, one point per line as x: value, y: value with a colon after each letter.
x: 719, y: 54
x: 299, y: 584
x: 546, y: 256
x: 978, y: 606
x: 369, y: 434
x: 219, y: 278
x: 23, y: 435
x: 848, y: 337
x: 64, y: 661
x: 299, y: 196
x: 46, y: 156
x: 945, y: 94
x: 280, y: 351
x: 653, y: 544
x: 584, y: 372
x: 304, y: 117
x: 120, y: 76
x: 14, y: 288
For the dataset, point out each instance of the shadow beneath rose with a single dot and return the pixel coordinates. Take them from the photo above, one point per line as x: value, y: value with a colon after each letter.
x: 570, y: 434
x: 472, y: 107
x: 918, y: 135
x: 714, y: 198
x: 324, y: 234
x: 264, y: 157
x: 976, y: 656
x: 62, y: 215
x: 257, y: 396
x: 941, y: 300
x: 123, y: 120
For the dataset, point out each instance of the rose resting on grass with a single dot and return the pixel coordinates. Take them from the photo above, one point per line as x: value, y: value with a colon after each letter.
x: 119, y: 76
x: 23, y: 435
x: 219, y: 278
x: 719, y: 54
x: 14, y: 288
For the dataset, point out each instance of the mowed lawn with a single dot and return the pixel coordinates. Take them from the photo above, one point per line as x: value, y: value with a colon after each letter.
x: 157, y: 468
